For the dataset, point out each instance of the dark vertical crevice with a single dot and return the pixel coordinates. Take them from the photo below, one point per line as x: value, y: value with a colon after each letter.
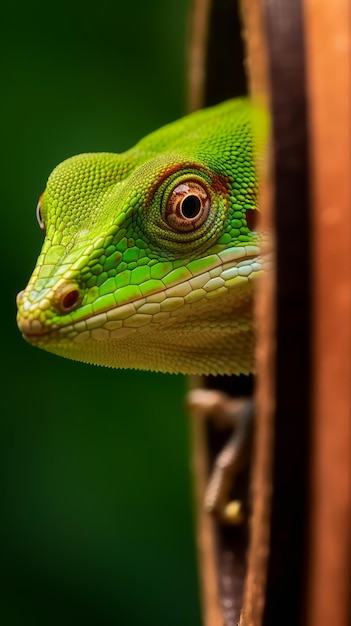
x: 225, y: 72
x: 286, y: 574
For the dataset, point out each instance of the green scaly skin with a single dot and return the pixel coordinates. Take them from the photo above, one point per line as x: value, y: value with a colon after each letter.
x: 148, y: 261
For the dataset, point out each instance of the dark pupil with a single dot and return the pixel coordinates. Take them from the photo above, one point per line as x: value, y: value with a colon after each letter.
x: 70, y: 299
x: 191, y: 207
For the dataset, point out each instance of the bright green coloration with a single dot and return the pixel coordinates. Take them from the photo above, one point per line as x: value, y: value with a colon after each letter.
x: 148, y: 261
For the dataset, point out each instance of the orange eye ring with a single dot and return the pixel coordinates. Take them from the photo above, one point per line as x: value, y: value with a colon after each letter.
x: 188, y: 206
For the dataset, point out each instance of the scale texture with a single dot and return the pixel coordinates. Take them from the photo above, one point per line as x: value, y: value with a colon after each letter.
x: 148, y: 260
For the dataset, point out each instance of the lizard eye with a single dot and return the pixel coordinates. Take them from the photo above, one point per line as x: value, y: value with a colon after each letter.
x: 67, y: 297
x: 39, y: 213
x: 187, y: 207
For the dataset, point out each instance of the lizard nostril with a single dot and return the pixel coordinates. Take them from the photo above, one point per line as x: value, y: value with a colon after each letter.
x: 68, y: 298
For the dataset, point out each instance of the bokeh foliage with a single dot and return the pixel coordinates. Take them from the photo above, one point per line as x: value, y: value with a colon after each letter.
x: 97, y: 507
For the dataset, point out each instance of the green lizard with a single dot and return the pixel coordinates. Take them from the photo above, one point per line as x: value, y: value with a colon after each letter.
x: 148, y: 260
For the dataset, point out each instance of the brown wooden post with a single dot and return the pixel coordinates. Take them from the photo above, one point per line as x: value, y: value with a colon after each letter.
x: 328, y: 46
x: 256, y: 63
x: 216, y: 72
x: 308, y: 47
x: 298, y: 59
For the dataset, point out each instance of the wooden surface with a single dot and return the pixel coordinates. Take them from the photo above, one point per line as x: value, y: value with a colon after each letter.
x: 197, y: 53
x: 310, y: 91
x: 274, y: 592
x: 256, y: 62
x: 328, y: 45
x: 216, y: 72
x: 205, y: 531
x: 298, y: 61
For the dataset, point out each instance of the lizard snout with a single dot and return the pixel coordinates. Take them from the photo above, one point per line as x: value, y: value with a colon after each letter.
x: 37, y: 310
x: 30, y: 327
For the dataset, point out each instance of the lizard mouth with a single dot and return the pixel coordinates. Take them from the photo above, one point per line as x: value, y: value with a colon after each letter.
x: 31, y: 328
x: 130, y: 316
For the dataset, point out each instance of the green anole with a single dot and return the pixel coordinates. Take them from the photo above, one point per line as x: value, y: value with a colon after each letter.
x: 149, y: 257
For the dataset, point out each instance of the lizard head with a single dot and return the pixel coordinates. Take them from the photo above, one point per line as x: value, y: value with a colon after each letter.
x: 149, y: 255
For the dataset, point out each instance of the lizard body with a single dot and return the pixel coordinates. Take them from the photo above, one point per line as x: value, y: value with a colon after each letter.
x: 148, y: 260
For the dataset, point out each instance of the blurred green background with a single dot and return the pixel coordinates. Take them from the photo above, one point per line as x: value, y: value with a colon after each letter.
x: 97, y: 506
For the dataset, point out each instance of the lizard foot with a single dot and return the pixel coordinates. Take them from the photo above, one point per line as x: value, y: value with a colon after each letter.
x: 237, y: 414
